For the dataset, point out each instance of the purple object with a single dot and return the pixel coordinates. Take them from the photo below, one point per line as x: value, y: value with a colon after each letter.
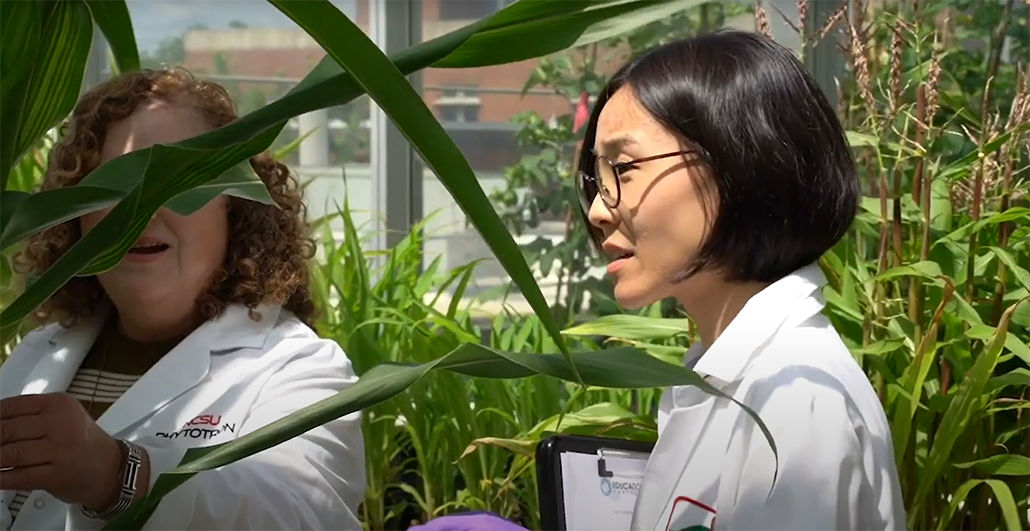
x: 473, y: 521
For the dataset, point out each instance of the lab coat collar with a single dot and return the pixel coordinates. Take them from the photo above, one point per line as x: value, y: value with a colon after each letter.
x: 793, y: 297
x: 182, y: 368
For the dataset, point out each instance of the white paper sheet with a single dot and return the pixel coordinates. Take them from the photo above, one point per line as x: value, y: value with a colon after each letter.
x: 600, y: 504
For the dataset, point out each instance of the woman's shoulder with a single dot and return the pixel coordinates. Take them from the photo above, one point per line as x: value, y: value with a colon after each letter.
x: 33, y: 348
x: 287, y: 339
x: 809, y: 368
x: 28, y: 347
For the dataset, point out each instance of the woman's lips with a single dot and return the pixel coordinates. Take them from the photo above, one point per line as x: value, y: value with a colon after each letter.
x: 615, y: 265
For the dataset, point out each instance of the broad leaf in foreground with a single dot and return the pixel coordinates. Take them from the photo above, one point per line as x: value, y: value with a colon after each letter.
x: 623, y: 367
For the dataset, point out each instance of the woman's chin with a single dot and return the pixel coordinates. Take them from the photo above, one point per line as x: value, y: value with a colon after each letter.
x: 632, y: 299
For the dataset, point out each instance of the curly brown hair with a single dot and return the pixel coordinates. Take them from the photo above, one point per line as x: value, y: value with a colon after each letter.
x: 269, y: 248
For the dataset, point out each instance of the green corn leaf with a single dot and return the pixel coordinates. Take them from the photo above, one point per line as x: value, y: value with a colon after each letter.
x: 384, y: 83
x: 925, y: 269
x: 169, y: 172
x: 45, y: 209
x: 962, y: 233
x: 1021, y: 274
x: 166, y: 171
x: 24, y: 21
x: 328, y: 85
x: 913, y: 381
x: 64, y: 50
x: 1017, y: 378
x: 631, y: 327
x: 567, y: 24
x: 958, y: 414
x: 108, y: 230
x: 19, y: 40
x: 963, y: 166
x: 53, y: 207
x: 239, y: 181
x: 112, y: 17
x: 1002, y: 495
x: 604, y: 416
x: 613, y: 368
x: 1000, y: 465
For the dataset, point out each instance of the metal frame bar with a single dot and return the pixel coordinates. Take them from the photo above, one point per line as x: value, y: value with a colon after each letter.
x: 294, y: 80
x: 395, y: 25
x: 823, y: 61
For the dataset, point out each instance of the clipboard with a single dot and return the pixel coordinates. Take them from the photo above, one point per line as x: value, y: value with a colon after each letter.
x: 586, y: 481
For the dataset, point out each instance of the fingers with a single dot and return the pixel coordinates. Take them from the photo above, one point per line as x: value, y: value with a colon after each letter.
x: 19, y: 406
x: 26, y: 478
x: 26, y: 453
x: 21, y: 429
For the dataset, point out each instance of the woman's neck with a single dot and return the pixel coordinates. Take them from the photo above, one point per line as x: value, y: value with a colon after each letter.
x: 155, y: 325
x: 713, y: 307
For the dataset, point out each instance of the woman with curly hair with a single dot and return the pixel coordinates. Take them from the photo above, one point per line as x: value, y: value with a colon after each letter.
x: 200, y: 335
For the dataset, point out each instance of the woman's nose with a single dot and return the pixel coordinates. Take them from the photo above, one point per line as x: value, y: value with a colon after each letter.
x: 600, y: 215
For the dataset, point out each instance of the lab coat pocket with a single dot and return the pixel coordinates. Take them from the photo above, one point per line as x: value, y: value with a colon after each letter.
x: 689, y: 514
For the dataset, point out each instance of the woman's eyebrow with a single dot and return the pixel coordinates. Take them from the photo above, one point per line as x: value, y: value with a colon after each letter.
x: 618, y: 142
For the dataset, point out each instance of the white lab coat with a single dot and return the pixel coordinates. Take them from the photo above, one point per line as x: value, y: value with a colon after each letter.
x: 712, y: 467
x: 231, y: 376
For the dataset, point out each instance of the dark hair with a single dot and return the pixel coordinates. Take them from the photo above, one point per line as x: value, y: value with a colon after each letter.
x: 781, y: 166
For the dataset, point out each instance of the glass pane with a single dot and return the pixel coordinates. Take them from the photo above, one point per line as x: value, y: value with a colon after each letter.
x: 258, y: 54
x: 505, y: 133
x: 519, y: 126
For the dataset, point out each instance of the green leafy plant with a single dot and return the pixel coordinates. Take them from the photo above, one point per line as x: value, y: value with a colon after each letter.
x: 931, y: 286
x: 446, y: 444
x: 39, y: 87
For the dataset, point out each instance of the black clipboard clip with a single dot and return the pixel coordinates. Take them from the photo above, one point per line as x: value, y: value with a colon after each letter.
x: 602, y: 469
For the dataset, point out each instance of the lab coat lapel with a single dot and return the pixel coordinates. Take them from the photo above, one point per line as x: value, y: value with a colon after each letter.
x: 680, y: 445
x: 787, y: 300
x: 175, y: 373
x: 187, y: 365
x: 677, y: 445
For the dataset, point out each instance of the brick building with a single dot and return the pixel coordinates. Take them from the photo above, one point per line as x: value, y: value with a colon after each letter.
x: 475, y: 104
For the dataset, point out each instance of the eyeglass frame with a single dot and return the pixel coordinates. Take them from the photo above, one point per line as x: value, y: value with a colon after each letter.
x: 617, y: 168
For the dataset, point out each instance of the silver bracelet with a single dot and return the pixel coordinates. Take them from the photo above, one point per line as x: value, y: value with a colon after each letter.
x: 129, y: 477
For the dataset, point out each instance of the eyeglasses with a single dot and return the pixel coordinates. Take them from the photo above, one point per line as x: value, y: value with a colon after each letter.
x: 606, y: 179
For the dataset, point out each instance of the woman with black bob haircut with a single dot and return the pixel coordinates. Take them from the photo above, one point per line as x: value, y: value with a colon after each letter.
x: 715, y: 172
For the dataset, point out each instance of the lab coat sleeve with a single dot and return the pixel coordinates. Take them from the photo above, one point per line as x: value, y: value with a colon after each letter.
x: 313, y: 481
x: 821, y: 481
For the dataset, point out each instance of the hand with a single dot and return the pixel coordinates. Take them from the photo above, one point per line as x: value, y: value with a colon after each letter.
x: 475, y: 521
x: 48, y: 442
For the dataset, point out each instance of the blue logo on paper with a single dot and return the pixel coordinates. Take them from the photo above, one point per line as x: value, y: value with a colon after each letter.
x: 616, y: 488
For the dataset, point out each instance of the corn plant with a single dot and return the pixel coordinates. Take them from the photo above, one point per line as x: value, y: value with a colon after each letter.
x: 936, y: 267
x: 445, y: 445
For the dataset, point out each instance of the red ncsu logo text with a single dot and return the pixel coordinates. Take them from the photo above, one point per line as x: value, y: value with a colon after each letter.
x: 204, y: 420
